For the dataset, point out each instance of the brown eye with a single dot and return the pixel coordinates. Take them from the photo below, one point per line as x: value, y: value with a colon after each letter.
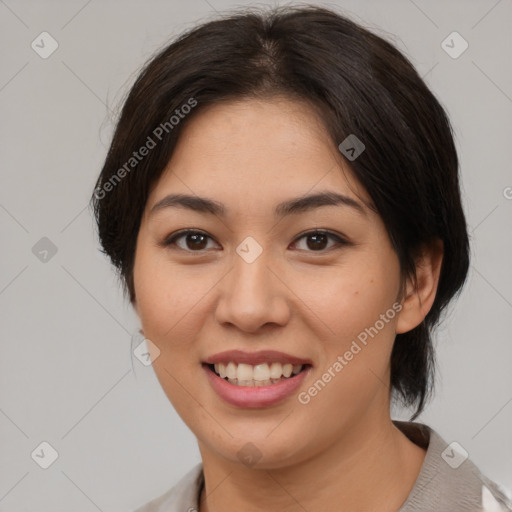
x: 317, y: 241
x: 197, y: 241
x: 194, y: 241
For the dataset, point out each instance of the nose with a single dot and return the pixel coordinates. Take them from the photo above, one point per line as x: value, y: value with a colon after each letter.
x: 252, y: 295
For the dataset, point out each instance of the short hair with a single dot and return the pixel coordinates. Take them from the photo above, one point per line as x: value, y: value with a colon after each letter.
x: 360, y: 84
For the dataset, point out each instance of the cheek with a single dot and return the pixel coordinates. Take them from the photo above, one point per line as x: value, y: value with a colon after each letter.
x: 354, y: 368
x: 360, y: 309
x: 168, y: 304
x: 167, y: 295
x: 350, y: 297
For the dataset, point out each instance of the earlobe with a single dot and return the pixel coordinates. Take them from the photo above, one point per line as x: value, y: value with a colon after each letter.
x: 420, y: 295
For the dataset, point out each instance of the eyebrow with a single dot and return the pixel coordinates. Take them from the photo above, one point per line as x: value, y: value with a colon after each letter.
x: 289, y: 207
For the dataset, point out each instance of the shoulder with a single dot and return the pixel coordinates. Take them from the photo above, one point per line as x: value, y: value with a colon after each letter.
x: 448, y: 479
x: 183, y: 497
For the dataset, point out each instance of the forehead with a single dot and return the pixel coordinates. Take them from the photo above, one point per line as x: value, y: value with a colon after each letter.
x: 254, y: 151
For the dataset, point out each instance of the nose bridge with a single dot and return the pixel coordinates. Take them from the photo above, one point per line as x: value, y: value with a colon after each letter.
x: 251, y: 284
x: 251, y: 268
x: 252, y: 295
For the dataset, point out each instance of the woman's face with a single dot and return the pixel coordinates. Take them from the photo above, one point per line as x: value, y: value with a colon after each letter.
x: 257, y: 280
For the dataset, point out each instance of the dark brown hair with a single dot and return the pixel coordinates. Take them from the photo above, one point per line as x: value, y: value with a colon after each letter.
x: 360, y: 83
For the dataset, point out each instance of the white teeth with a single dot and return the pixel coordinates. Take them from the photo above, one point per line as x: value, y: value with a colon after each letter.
x: 258, y: 375
x: 276, y: 370
x: 244, y: 372
x: 231, y: 371
x: 261, y: 372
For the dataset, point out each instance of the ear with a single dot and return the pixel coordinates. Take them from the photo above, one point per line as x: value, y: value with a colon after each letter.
x: 420, y: 296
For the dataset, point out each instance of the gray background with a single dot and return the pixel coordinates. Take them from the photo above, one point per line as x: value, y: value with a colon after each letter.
x: 66, y: 374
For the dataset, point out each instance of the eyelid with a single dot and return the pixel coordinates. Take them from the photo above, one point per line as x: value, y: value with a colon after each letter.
x: 171, y: 239
x: 340, y: 239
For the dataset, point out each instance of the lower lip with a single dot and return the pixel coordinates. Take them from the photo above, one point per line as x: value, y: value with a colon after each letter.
x: 260, y: 396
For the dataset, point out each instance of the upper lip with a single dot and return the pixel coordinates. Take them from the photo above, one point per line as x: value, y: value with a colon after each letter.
x: 254, y: 358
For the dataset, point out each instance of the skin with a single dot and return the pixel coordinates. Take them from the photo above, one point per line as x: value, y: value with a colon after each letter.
x: 340, y: 451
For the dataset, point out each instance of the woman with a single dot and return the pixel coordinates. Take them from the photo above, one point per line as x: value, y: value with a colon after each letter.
x: 281, y: 199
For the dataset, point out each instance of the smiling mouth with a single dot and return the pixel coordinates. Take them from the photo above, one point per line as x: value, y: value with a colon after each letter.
x: 258, y: 375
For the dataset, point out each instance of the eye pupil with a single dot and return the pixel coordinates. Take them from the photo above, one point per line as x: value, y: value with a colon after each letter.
x: 197, y: 242
x: 320, y: 240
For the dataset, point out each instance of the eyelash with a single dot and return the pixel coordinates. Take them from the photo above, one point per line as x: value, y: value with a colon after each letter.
x: 169, y: 241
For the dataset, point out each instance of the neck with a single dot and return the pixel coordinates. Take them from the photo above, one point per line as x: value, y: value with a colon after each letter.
x: 368, y: 469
